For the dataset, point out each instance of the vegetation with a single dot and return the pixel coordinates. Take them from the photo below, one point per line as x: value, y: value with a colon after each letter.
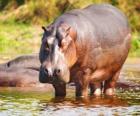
x: 20, y: 21
x: 17, y: 39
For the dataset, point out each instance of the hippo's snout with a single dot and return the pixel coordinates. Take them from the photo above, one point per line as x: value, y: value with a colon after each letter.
x: 52, y: 73
x: 48, y: 75
x: 42, y: 77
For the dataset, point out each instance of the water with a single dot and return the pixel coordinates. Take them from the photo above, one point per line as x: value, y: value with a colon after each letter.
x: 14, y: 102
x: 34, y: 102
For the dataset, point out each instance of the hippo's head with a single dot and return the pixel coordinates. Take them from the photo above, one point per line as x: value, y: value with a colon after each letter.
x: 57, y: 54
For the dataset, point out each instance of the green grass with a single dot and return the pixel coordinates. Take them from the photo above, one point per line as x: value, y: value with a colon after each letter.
x: 135, y: 45
x: 18, y: 35
x: 16, y: 39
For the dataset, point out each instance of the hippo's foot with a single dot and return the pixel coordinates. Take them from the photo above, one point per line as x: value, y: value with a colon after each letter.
x: 110, y: 91
x: 60, y: 90
x: 97, y: 92
x: 96, y: 89
x: 109, y: 86
x: 81, y: 91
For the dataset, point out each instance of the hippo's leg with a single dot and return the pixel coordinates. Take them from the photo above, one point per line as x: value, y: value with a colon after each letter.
x: 96, y: 88
x: 109, y: 87
x: 82, y: 83
x: 82, y: 89
x: 60, y: 90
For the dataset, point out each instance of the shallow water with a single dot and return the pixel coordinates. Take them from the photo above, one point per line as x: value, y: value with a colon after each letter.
x: 20, y: 103
x: 34, y: 102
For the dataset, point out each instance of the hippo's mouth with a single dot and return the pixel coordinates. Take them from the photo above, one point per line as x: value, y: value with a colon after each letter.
x: 52, y: 80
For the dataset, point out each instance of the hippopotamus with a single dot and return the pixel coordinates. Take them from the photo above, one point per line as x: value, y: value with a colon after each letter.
x: 86, y: 46
x: 22, y: 71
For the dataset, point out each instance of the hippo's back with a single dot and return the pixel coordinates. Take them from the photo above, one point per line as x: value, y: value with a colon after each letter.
x: 101, y: 23
x: 109, y: 24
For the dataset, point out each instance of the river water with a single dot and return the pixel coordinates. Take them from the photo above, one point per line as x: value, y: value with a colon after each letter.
x: 35, y: 102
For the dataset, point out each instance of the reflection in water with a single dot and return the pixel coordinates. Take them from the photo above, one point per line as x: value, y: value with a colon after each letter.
x: 90, y: 106
x: 89, y: 102
x: 14, y: 102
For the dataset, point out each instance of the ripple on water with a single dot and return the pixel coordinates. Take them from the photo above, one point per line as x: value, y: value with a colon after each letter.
x: 34, y: 104
x: 82, y: 111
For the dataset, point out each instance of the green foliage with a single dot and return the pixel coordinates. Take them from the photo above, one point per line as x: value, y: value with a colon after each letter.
x: 18, y: 39
x: 16, y: 13
x: 3, y: 4
x: 132, y: 10
x: 37, y: 12
x: 135, y: 45
x: 45, y: 11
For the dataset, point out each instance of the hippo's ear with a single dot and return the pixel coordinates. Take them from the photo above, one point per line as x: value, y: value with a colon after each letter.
x: 68, y: 31
x: 67, y: 40
x: 71, y: 32
x: 65, y: 43
x: 44, y: 28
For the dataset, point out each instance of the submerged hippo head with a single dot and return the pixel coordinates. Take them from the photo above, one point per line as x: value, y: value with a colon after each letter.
x: 57, y: 54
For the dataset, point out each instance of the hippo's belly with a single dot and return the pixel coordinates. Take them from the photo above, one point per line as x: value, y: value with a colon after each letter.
x: 104, y: 62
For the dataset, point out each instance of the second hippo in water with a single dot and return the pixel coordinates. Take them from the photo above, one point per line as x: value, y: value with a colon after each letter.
x: 85, y: 46
x: 22, y: 72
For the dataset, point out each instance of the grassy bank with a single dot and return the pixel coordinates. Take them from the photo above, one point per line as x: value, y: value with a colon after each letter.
x: 17, y: 39
x: 135, y: 45
x: 21, y: 21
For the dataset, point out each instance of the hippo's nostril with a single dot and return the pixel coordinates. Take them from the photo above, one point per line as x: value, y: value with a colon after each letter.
x: 57, y: 72
x: 46, y: 71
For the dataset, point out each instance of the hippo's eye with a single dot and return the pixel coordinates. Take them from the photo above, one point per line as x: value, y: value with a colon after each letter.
x: 59, y: 38
x: 47, y: 47
x: 59, y: 43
